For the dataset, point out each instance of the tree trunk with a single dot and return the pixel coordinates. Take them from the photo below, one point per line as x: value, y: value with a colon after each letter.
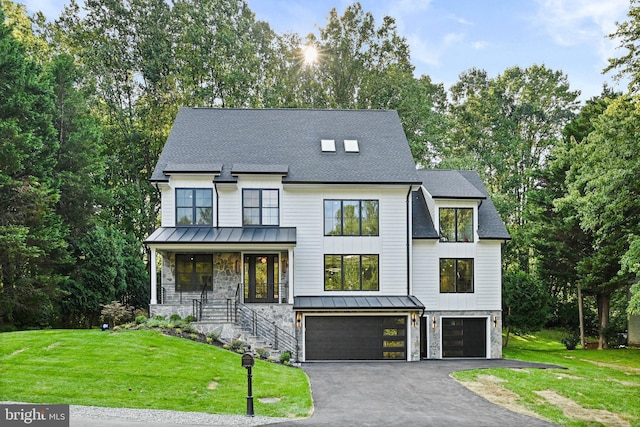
x: 604, y: 302
x: 580, y: 313
x: 506, y: 340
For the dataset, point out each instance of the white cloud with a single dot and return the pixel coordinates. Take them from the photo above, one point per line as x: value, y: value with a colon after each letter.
x: 574, y: 22
x: 431, y: 53
x: 423, y: 51
x: 480, y: 44
x: 452, y: 38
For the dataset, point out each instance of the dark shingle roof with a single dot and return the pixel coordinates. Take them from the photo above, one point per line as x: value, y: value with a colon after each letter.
x: 422, y: 223
x: 287, y: 141
x: 451, y: 184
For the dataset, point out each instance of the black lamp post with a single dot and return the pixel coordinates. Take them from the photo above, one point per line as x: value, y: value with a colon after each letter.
x: 248, y: 362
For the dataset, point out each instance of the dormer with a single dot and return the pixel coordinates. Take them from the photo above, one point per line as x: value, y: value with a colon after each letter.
x: 460, y: 207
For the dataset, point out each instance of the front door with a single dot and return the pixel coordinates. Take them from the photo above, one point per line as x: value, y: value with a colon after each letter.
x: 261, y: 278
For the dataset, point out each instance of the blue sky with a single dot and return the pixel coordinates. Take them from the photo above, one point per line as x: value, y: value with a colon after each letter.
x: 447, y: 37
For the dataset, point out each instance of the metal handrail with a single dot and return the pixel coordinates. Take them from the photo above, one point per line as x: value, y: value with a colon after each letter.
x: 196, y: 309
x: 261, y: 327
x: 203, y: 294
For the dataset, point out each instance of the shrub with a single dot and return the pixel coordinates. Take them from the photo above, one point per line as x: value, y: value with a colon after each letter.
x: 262, y: 353
x: 570, y: 341
x: 215, y: 336
x: 159, y: 317
x: 236, y: 345
x: 285, y: 357
x: 175, y: 317
x: 115, y: 313
x: 140, y: 320
x: 188, y: 328
x: 190, y: 319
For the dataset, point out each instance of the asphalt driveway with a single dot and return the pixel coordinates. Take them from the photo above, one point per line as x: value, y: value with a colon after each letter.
x: 404, y: 394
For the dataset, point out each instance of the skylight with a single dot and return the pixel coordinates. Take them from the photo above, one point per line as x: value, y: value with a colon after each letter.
x: 328, y: 145
x: 351, y: 146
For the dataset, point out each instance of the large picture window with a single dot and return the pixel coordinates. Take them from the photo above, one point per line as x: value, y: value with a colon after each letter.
x: 456, y: 275
x: 194, y: 206
x: 260, y: 207
x: 193, y: 272
x: 351, y: 273
x: 456, y: 225
x: 351, y: 218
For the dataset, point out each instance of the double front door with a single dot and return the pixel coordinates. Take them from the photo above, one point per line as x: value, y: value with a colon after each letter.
x: 261, y: 278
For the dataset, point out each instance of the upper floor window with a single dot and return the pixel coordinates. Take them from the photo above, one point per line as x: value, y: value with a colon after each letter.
x: 351, y: 218
x: 351, y: 273
x: 456, y: 225
x: 194, y: 206
x: 456, y: 275
x: 260, y: 207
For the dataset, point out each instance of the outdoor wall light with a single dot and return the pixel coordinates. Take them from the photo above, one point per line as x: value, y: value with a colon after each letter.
x: 414, y: 318
x: 433, y: 322
x: 495, y: 321
x: 237, y: 266
x: 298, y: 319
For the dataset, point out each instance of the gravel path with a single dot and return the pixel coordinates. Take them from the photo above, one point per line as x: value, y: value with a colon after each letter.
x: 160, y: 417
x: 95, y: 416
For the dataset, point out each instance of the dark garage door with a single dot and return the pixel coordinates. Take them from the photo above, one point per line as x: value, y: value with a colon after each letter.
x: 464, y: 337
x: 355, y: 338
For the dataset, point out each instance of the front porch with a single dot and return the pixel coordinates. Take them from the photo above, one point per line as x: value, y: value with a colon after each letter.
x: 236, y: 295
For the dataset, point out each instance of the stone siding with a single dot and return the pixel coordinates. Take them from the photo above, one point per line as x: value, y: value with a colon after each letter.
x: 434, y: 336
x: 225, y: 278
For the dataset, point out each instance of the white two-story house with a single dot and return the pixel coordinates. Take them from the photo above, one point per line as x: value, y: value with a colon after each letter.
x: 314, y: 230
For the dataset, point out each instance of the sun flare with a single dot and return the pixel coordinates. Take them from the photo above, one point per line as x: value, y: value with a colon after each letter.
x: 310, y: 55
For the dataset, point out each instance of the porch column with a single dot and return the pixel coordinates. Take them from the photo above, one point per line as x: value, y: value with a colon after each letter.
x: 290, y: 272
x: 154, y: 274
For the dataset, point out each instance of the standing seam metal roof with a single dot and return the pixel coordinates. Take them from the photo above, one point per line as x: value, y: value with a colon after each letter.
x: 223, y: 235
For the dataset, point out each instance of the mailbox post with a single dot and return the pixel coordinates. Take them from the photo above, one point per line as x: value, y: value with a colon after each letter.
x: 247, y: 362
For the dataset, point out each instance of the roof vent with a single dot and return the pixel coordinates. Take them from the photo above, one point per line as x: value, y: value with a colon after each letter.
x: 351, y: 146
x: 328, y: 145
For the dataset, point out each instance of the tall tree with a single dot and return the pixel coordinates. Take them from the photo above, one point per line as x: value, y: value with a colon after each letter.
x: 31, y: 234
x: 604, y: 191
x: 558, y: 240
x: 627, y: 34
x: 218, y: 49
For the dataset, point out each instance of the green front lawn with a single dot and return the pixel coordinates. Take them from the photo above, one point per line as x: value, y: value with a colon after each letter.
x: 598, y: 387
x: 142, y: 369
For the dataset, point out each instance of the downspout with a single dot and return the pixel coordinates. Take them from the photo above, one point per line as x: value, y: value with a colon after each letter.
x: 215, y: 188
x: 408, y: 246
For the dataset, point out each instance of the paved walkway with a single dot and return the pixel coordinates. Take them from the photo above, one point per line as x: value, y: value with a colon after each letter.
x: 365, y: 394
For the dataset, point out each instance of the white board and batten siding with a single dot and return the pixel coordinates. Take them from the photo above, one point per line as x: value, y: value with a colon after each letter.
x: 304, y: 209
x: 487, y: 272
